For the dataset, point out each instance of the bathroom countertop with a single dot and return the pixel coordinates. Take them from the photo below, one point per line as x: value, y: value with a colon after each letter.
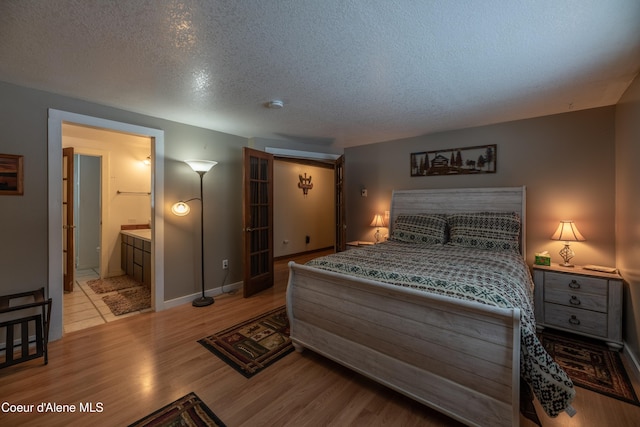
x: 144, y: 233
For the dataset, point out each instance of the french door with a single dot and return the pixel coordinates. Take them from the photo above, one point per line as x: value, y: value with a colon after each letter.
x: 257, y: 221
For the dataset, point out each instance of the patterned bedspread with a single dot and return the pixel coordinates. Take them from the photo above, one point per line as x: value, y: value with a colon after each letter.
x: 499, y: 279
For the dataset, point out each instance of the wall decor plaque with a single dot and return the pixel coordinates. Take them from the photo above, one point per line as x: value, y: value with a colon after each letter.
x: 455, y: 161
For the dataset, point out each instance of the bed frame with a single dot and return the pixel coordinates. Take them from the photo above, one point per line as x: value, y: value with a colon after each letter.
x: 459, y: 357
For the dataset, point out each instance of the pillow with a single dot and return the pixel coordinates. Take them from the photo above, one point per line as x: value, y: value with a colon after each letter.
x: 496, y: 231
x: 429, y: 229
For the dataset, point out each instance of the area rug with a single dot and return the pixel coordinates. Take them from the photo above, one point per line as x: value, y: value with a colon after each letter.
x: 251, y: 346
x: 128, y: 300
x: 189, y: 410
x: 110, y: 284
x: 591, y: 365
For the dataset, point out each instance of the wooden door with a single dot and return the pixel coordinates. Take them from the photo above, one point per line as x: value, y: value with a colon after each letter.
x: 68, y: 252
x: 341, y: 217
x: 257, y: 221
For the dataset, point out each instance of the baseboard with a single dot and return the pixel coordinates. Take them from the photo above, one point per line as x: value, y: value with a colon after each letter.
x: 210, y: 293
x: 635, y: 363
x: 280, y: 258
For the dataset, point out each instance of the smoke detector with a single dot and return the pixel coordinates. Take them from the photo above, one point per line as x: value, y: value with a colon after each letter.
x: 275, y: 104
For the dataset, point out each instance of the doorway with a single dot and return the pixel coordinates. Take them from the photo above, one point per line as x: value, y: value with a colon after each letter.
x: 56, y: 121
x: 87, y: 211
x: 99, y: 286
x: 258, y: 183
x: 86, y: 190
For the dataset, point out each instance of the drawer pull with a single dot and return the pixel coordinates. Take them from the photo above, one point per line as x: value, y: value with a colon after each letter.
x: 574, y: 320
x: 574, y: 300
x: 574, y: 285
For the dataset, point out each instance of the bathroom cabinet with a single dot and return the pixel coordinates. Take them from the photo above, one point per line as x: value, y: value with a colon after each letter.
x: 135, y: 257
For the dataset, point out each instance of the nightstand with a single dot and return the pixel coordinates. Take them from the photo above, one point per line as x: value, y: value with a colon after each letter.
x: 581, y: 301
x: 358, y: 243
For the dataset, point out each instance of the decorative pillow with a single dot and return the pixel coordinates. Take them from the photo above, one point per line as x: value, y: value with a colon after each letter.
x: 496, y: 231
x: 429, y: 229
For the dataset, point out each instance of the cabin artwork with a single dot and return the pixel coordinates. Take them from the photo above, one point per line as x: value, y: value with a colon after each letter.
x: 456, y: 161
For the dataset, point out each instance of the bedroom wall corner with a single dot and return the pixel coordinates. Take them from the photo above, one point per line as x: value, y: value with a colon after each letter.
x: 627, y: 126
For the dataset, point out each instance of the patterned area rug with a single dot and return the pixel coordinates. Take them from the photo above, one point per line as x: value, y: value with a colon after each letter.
x: 110, y: 284
x: 254, y: 344
x: 128, y: 300
x: 189, y: 410
x: 591, y: 365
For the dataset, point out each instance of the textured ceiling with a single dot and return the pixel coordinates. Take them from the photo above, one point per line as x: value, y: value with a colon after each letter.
x: 348, y: 72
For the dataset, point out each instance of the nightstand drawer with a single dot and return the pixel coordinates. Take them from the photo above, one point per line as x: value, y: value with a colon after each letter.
x: 575, y: 283
x: 576, y: 299
x: 585, y: 321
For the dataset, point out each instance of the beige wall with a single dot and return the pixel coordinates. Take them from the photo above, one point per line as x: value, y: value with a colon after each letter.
x: 628, y: 210
x: 296, y: 215
x: 566, y: 161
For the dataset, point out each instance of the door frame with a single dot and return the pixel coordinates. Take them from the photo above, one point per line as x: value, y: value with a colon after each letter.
x: 54, y: 175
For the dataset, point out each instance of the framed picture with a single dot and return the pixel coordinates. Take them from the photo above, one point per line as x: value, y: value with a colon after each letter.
x: 11, y: 174
x: 455, y: 161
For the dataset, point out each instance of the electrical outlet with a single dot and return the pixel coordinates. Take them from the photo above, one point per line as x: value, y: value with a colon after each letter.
x: 225, y: 264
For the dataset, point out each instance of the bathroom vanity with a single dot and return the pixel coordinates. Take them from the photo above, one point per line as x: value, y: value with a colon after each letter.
x: 135, y: 254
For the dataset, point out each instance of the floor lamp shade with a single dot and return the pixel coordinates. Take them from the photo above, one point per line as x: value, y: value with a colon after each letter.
x: 181, y: 208
x: 203, y: 166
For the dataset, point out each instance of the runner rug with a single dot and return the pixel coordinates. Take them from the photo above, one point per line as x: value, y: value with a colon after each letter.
x: 591, y: 365
x: 252, y: 345
x: 189, y: 410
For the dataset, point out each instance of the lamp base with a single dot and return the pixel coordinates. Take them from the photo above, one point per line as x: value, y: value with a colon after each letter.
x: 566, y: 253
x: 202, y: 301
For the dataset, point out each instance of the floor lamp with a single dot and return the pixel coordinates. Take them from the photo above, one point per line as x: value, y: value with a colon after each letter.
x: 182, y: 208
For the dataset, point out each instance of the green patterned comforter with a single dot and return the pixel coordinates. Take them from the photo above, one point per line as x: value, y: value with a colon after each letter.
x: 500, y: 279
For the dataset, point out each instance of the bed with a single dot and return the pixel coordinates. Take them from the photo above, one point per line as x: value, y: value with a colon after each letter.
x: 410, y: 314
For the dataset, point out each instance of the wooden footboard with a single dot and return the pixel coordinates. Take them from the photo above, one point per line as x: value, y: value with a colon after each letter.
x: 458, y: 357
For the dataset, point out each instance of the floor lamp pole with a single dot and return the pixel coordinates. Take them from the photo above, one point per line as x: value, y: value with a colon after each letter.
x: 203, y: 300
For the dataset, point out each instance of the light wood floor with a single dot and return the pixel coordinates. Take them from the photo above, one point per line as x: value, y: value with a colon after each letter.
x: 136, y: 365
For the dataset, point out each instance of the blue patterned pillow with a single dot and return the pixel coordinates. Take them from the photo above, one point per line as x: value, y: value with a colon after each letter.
x: 428, y: 229
x: 496, y: 231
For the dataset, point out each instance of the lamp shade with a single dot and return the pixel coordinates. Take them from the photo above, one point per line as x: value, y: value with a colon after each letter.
x: 378, y: 221
x: 203, y: 166
x: 568, y: 232
x: 180, y: 209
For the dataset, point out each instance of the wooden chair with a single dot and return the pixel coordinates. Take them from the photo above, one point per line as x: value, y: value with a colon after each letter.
x: 38, y: 324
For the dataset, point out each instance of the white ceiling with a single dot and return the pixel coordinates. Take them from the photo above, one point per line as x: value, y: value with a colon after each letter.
x: 349, y: 72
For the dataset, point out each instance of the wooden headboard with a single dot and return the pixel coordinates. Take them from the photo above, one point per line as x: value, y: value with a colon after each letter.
x: 454, y: 200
